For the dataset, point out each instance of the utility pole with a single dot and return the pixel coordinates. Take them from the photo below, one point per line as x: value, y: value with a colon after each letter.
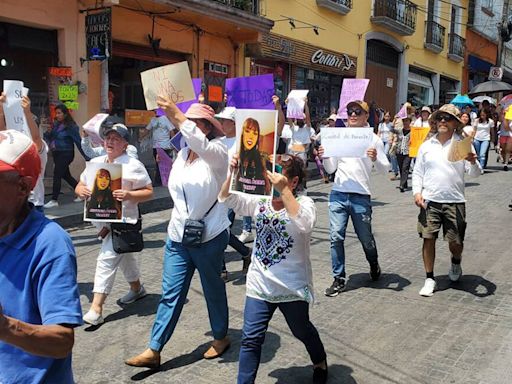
x: 501, y: 25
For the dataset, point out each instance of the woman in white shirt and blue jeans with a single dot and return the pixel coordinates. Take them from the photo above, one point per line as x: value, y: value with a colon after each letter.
x: 280, y: 273
x: 194, y: 184
x: 482, y: 130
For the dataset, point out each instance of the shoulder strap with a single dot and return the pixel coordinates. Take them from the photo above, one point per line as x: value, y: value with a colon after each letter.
x: 186, y: 204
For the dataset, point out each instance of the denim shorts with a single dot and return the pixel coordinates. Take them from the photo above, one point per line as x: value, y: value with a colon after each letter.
x: 449, y: 216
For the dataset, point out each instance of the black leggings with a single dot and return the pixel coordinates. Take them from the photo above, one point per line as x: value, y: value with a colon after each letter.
x: 404, y: 163
x: 62, y: 160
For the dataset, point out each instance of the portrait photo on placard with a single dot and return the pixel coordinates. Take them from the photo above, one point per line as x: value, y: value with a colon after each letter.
x: 103, y: 179
x: 255, y: 138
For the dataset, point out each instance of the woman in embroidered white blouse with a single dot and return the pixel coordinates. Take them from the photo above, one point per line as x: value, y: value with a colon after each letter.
x: 280, y: 272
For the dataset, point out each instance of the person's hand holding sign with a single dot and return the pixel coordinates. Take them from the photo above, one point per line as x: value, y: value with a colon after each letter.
x: 279, y: 181
x: 471, y: 157
x: 82, y: 191
x: 122, y: 194
x: 171, y: 110
x: 372, y: 154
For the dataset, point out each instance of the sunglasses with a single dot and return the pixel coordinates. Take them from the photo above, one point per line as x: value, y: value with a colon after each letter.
x: 444, y: 117
x: 357, y: 111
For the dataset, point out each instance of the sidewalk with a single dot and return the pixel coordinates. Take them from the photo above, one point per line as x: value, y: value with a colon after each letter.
x: 374, y: 333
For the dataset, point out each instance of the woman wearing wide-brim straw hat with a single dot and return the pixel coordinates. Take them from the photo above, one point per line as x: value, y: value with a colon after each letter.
x: 194, y: 184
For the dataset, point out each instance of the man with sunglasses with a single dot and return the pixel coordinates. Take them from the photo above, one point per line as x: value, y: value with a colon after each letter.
x: 438, y: 188
x: 350, y: 198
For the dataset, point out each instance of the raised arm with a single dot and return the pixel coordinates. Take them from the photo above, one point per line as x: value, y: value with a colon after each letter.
x: 2, y: 116
x: 280, y: 115
x: 34, y: 129
x: 306, y: 112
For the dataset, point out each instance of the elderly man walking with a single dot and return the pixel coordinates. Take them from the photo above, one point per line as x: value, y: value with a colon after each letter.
x: 39, y: 302
x: 438, y: 188
x: 350, y: 198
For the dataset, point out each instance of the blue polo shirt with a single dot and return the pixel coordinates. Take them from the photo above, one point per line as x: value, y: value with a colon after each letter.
x: 38, y: 286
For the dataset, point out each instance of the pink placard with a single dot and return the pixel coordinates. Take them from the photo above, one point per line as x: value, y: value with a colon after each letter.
x: 351, y: 89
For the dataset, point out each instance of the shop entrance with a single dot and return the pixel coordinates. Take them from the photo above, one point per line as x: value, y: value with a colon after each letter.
x: 382, y: 62
x: 26, y: 54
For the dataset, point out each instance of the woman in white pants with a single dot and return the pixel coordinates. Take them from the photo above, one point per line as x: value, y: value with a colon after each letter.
x: 136, y: 188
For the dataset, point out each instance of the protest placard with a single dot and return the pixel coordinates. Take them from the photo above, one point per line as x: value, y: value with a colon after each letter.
x: 417, y: 137
x: 351, y: 89
x: 171, y: 80
x: 255, y: 141
x: 252, y: 92
x: 296, y: 103
x: 178, y: 141
x: 68, y: 92
x: 13, y: 111
x: 346, y: 142
x: 197, y: 90
x: 459, y: 149
x: 164, y: 165
x: 92, y: 127
x: 137, y: 117
x: 72, y: 105
x: 102, y: 179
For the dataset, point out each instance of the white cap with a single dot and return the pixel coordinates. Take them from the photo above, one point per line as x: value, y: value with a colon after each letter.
x: 333, y: 117
x: 227, y: 113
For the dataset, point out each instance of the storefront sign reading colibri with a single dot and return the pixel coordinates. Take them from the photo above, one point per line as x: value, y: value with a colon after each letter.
x: 344, y: 62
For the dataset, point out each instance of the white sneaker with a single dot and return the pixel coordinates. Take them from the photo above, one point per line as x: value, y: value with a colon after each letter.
x: 429, y: 288
x: 77, y: 200
x: 455, y: 272
x: 51, y: 204
x: 132, y: 296
x: 93, y: 318
x: 246, y: 237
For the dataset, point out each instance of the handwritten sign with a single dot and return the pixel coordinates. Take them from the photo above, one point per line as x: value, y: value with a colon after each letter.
x: 14, y: 115
x: 72, y: 105
x: 183, y: 107
x: 92, y: 127
x: 346, y: 142
x: 459, y: 149
x: 164, y: 165
x: 135, y: 117
x: 252, y: 92
x: 215, y: 93
x: 98, y: 35
x: 68, y: 92
x: 172, y: 80
x: 417, y: 136
x: 296, y: 103
x: 351, y: 89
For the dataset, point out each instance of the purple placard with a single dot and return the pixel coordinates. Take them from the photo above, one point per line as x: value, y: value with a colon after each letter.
x: 402, y: 113
x: 351, y: 89
x: 164, y: 165
x: 197, y: 90
x: 252, y: 92
x: 178, y: 141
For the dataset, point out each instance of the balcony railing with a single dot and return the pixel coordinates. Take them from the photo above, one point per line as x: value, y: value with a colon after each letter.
x: 456, y: 47
x: 340, y: 6
x: 434, y: 36
x: 397, y: 15
x: 251, y: 6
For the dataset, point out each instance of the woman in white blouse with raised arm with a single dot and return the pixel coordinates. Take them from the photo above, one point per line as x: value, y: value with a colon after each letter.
x: 280, y: 273
x: 194, y: 184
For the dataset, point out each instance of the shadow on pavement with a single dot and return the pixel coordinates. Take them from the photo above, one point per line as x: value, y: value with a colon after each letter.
x: 86, y: 290
x: 339, y: 374
x: 472, y: 184
x: 146, y: 306
x: 153, y: 244
x: 476, y: 285
x: 390, y: 281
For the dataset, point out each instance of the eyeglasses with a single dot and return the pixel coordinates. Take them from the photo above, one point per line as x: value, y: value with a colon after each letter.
x: 357, y: 111
x: 444, y: 117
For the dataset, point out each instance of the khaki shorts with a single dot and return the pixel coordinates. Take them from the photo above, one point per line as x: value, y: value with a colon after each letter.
x: 450, y: 216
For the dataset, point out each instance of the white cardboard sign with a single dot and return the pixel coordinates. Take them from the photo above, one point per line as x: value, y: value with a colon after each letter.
x: 346, y: 142
x: 14, y: 115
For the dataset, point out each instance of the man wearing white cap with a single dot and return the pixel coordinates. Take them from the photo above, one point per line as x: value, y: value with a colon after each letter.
x: 39, y: 301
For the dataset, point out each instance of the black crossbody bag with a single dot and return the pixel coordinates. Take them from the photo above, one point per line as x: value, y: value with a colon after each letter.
x: 193, y: 230
x: 127, y: 238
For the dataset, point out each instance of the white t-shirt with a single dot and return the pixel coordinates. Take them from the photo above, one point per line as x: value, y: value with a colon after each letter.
x: 161, y: 127
x: 37, y: 194
x: 135, y: 176
x: 420, y: 123
x: 230, y: 143
x: 385, y: 130
x: 298, y: 139
x: 483, y: 130
x: 201, y: 180
x: 280, y: 270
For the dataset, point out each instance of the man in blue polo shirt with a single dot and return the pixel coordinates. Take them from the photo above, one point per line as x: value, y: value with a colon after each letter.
x: 39, y: 302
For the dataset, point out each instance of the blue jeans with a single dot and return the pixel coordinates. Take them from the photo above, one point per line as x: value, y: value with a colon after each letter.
x: 247, y: 223
x: 179, y: 265
x: 481, y: 147
x: 257, y: 315
x: 392, y: 158
x: 358, y: 207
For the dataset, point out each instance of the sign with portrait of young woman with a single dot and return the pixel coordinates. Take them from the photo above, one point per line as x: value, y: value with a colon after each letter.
x: 103, y: 179
x: 256, y: 145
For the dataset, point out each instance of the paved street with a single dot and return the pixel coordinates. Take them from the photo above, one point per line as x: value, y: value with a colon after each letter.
x: 381, y: 332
